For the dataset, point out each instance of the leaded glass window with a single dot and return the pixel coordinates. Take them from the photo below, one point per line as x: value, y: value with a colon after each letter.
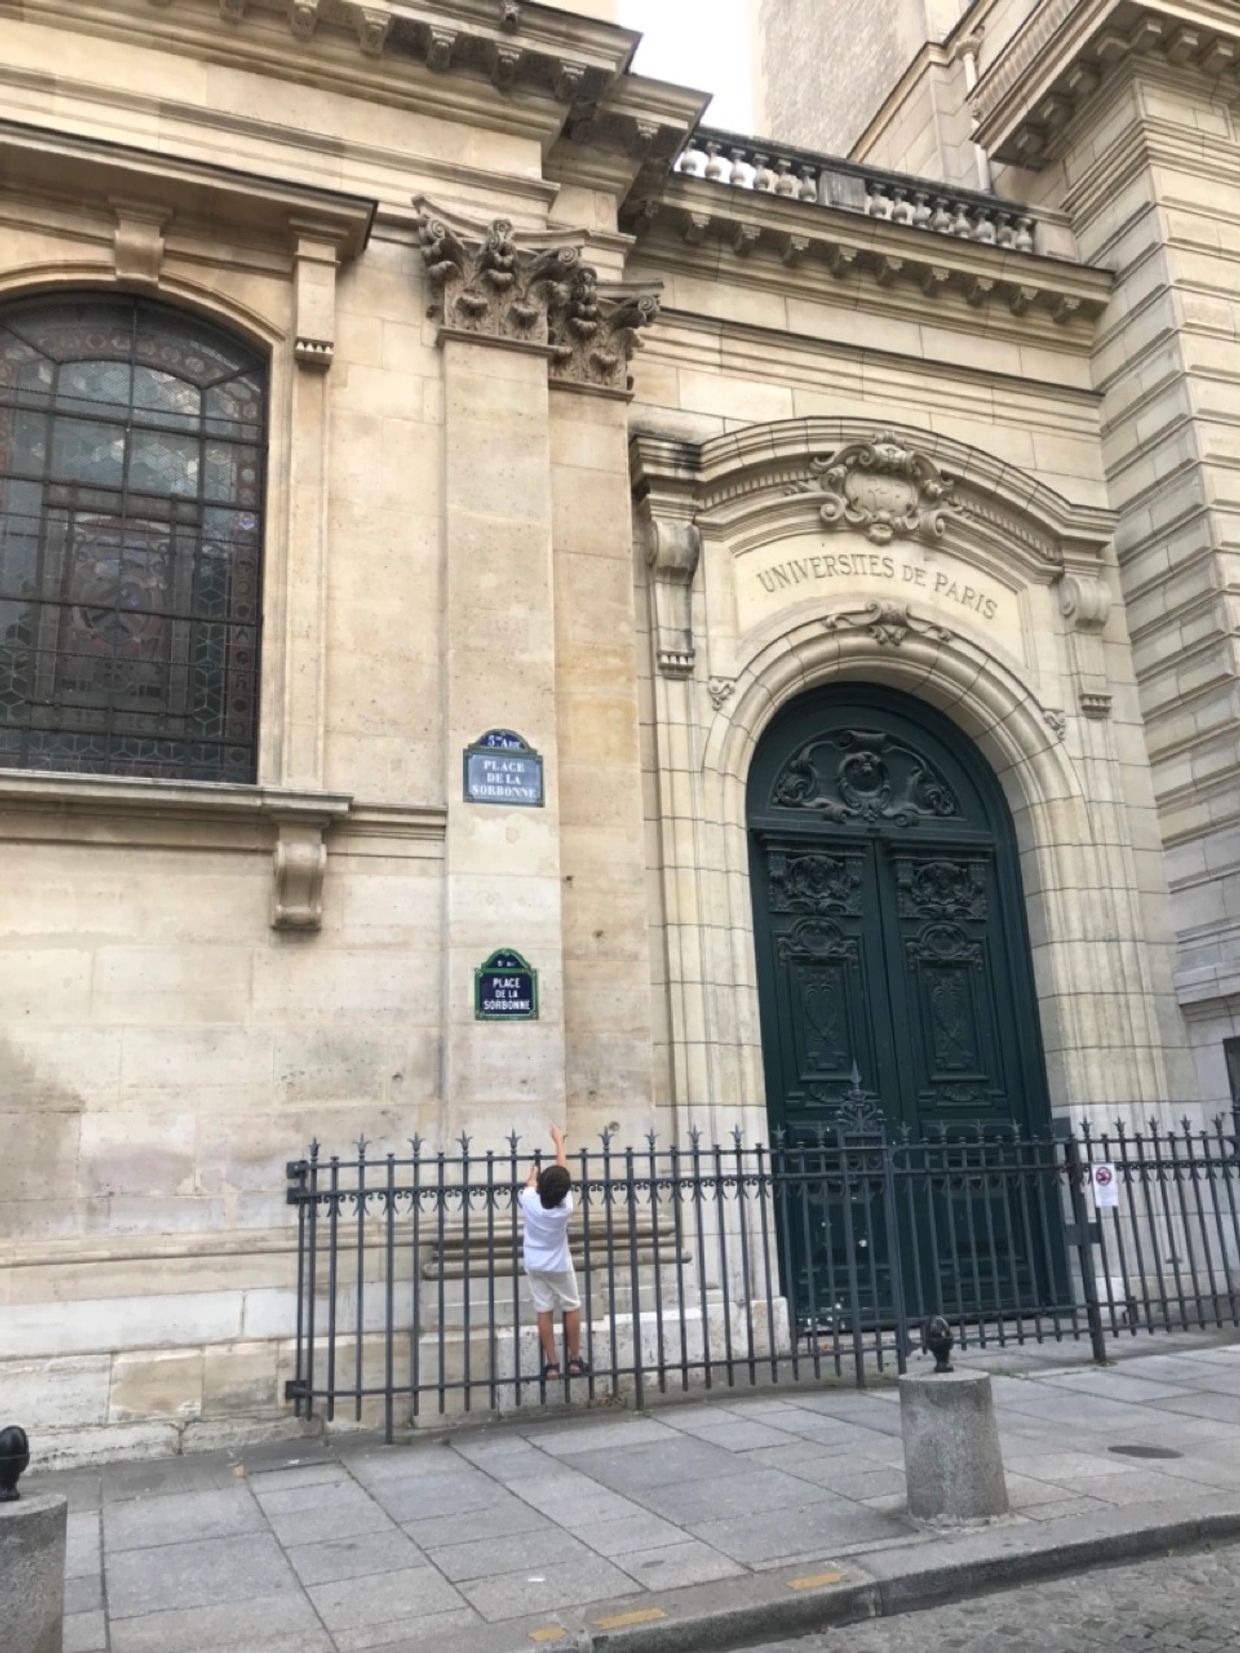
x: 132, y: 442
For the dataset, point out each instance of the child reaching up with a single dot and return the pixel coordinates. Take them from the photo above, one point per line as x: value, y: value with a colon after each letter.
x: 547, y: 1204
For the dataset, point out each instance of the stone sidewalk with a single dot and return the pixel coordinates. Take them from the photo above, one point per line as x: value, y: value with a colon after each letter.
x: 578, y: 1530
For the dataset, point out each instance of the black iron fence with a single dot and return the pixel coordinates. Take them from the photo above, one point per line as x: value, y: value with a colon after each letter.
x: 708, y: 1265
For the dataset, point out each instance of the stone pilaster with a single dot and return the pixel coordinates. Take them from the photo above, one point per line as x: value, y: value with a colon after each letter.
x: 535, y: 535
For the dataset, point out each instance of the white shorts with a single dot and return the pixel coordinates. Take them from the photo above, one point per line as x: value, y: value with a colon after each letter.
x: 554, y: 1291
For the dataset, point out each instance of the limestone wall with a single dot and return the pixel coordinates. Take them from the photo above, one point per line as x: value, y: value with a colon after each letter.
x: 1167, y: 368
x: 453, y: 546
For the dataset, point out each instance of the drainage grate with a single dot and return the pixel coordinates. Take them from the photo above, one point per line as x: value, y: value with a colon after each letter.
x: 1145, y: 1452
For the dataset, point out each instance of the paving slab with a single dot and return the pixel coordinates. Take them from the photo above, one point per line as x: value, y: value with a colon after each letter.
x: 680, y: 1525
x: 205, y: 1573
x: 382, y: 1598
x: 275, y: 1627
x: 354, y: 1557
x: 539, y: 1551
x: 181, y: 1517
x: 513, y: 1595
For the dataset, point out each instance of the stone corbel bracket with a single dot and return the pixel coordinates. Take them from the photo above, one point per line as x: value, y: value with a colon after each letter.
x: 299, y: 858
x: 316, y: 263
x: 299, y: 863
x: 674, y: 550
x: 1085, y: 603
x: 138, y: 244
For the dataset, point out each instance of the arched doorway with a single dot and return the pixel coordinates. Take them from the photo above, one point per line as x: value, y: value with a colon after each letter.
x: 889, y: 922
x: 896, y: 991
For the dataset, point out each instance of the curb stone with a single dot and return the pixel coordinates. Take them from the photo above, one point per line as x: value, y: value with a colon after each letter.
x: 736, y: 1612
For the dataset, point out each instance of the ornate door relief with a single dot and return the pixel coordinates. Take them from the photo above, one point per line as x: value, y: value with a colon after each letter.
x: 533, y: 292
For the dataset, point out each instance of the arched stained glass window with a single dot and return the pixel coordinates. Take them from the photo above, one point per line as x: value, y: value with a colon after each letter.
x: 132, y: 442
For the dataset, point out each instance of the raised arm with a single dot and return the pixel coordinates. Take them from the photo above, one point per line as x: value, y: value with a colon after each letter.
x: 557, y: 1138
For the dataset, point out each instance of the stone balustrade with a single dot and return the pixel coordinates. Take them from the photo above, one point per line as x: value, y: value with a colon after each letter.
x: 724, y: 158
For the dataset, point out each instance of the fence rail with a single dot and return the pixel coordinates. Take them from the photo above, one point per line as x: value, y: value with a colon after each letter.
x: 725, y: 1264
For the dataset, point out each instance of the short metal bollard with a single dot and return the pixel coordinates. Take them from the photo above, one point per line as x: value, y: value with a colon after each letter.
x: 32, y: 1556
x: 952, y: 1460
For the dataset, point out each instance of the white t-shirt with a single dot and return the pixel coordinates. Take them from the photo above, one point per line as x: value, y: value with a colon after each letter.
x: 546, y: 1234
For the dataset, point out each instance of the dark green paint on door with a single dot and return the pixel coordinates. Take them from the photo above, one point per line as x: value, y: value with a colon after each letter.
x: 891, y: 945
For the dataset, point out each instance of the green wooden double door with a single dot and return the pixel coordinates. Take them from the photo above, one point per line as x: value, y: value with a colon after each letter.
x: 896, y: 990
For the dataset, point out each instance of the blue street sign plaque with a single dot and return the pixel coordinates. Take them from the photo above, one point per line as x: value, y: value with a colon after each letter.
x: 505, y: 989
x: 501, y: 768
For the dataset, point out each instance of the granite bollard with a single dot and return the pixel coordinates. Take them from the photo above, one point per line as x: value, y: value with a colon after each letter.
x: 32, y: 1573
x: 952, y: 1460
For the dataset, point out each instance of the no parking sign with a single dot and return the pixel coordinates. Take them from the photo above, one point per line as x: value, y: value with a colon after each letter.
x: 1105, y: 1185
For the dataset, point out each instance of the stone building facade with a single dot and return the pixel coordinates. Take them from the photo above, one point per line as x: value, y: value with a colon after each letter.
x: 376, y: 377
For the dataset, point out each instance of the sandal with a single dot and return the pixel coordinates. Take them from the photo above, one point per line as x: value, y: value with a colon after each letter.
x: 578, y: 1367
x: 550, y: 1371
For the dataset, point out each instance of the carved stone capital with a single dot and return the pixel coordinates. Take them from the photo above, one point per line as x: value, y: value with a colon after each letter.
x: 883, y: 488
x: 299, y: 863
x: 1085, y: 602
x: 495, y: 281
x: 887, y: 623
x: 593, y: 328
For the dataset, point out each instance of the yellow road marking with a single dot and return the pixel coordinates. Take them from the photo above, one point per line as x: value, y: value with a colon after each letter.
x: 550, y: 1633
x: 646, y: 1615
x: 815, y: 1581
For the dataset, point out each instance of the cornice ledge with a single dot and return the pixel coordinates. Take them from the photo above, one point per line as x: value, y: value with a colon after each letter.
x: 1053, y: 66
x: 804, y: 234
x: 483, y: 46
x: 193, y: 189
x: 127, y: 795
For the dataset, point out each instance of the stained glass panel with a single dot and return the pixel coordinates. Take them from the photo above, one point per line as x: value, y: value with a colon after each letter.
x: 130, y: 541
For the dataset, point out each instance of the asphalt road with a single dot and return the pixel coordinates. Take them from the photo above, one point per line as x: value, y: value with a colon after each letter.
x: 1178, y: 1604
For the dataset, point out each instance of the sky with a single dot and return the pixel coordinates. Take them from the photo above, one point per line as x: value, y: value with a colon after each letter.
x: 698, y: 43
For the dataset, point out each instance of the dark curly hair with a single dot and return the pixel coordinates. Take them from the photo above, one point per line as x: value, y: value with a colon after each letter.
x: 553, y: 1184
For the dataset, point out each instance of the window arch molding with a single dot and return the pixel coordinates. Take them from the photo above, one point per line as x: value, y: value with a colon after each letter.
x: 133, y: 440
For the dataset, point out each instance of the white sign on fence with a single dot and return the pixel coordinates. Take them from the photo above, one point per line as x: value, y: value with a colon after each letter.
x: 1106, y: 1186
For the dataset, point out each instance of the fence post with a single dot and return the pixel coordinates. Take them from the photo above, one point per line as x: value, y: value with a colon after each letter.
x: 896, y: 1254
x: 1080, y: 1233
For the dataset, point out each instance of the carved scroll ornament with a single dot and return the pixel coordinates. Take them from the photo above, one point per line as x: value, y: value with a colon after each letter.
x: 886, y: 623
x: 883, y: 488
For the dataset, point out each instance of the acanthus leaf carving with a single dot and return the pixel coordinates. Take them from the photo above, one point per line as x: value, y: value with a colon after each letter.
x: 884, y: 488
x: 492, y: 279
x: 887, y: 623
x: 593, y: 328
